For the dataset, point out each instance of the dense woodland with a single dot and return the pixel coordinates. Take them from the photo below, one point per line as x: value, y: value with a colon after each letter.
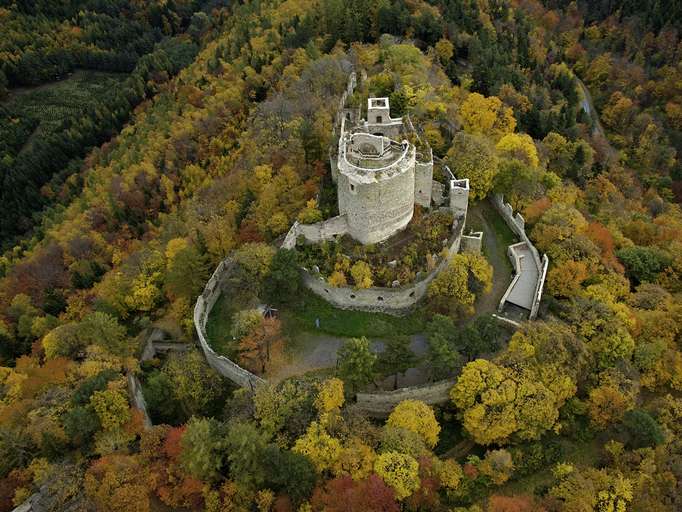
x: 147, y: 42
x: 227, y: 145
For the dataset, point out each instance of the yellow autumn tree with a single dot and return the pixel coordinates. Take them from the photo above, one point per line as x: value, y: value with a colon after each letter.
x: 322, y: 449
x: 356, y: 459
x: 458, y: 285
x: 330, y: 396
x: 111, y: 406
x: 473, y: 157
x: 496, y: 402
x: 565, y: 278
x: 449, y: 473
x: 310, y: 214
x: 399, y: 471
x: 362, y: 274
x: 417, y: 417
x: 519, y: 146
x: 486, y: 116
x: 337, y: 279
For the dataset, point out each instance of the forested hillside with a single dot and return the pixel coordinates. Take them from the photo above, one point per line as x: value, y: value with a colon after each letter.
x: 43, y: 42
x: 230, y: 116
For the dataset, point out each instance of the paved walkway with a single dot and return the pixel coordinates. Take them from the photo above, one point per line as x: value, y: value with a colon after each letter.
x: 523, y: 288
x: 588, y: 106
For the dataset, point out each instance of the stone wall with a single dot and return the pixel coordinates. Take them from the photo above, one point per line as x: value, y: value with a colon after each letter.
x: 472, y: 243
x: 137, y: 398
x: 202, y: 308
x: 386, y: 300
x: 380, y: 405
x: 423, y: 178
x: 314, y: 233
x: 517, y: 224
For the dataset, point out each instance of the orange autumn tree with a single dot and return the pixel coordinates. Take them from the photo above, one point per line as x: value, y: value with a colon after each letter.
x: 257, y: 348
x: 602, y: 238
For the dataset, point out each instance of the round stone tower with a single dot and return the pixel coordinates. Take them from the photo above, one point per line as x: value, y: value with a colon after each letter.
x: 375, y: 185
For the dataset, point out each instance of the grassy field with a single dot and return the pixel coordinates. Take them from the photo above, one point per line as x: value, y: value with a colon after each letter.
x: 219, y: 325
x: 503, y: 234
x: 338, y: 322
x: 47, y: 105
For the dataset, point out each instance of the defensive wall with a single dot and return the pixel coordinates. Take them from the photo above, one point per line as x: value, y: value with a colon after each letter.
x: 517, y: 224
x: 398, y: 298
x: 394, y: 300
x: 202, y: 308
x: 381, y: 404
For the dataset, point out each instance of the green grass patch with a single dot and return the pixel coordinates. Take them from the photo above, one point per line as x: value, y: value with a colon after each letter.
x: 300, y: 317
x: 503, y: 233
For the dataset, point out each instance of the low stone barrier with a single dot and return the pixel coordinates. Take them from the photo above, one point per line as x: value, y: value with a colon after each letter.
x: 386, y: 300
x: 202, y: 309
x: 517, y: 224
x: 380, y: 405
x: 472, y: 243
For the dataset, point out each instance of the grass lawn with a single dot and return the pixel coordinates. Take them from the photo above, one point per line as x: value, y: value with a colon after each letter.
x: 219, y: 324
x: 338, y: 322
x: 504, y: 235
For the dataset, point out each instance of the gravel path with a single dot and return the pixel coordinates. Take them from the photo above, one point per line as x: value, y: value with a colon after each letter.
x: 320, y: 351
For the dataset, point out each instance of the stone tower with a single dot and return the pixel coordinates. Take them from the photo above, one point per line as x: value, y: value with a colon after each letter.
x: 379, y: 180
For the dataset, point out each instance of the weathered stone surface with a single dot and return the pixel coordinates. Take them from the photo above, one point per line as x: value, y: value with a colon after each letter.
x: 381, y: 404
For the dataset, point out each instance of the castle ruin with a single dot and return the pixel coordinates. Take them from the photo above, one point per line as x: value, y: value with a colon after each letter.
x: 382, y: 169
x: 379, y: 180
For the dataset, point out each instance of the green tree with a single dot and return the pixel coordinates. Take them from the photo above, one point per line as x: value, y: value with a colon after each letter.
x: 284, y: 281
x: 245, y: 446
x: 479, y: 337
x: 159, y: 395
x: 186, y: 273
x: 203, y: 448
x: 197, y: 387
x: 396, y: 358
x: 356, y: 362
x: 80, y: 425
x: 289, y: 472
x: 643, y: 430
x: 643, y: 264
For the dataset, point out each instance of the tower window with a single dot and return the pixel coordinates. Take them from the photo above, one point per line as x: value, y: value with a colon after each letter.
x: 380, y: 119
x: 352, y: 187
